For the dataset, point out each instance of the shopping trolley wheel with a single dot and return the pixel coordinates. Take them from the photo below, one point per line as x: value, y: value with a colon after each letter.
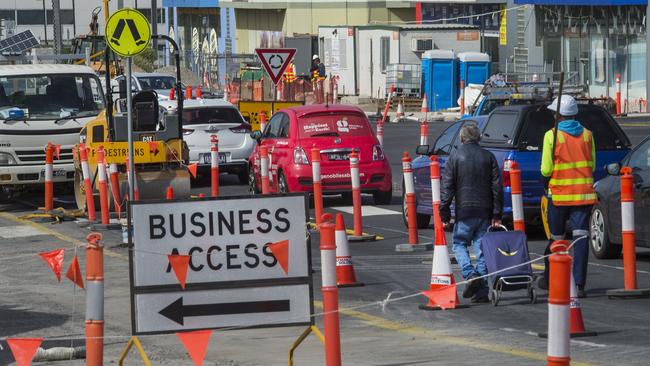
x: 495, y: 297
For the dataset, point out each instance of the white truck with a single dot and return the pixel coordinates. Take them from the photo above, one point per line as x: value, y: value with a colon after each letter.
x: 43, y: 103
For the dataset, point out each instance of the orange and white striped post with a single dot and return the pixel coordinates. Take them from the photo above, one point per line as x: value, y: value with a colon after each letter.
x: 49, y: 177
x: 317, y: 186
x: 88, y: 187
x: 262, y: 121
x: 94, y: 300
x: 330, y: 292
x: 409, y: 193
x: 558, y: 305
x: 618, y: 94
x: 214, y: 166
x: 517, y: 200
x: 114, y: 176
x: 356, y: 194
x: 136, y: 191
x: 462, y: 97
x: 103, y: 185
x: 264, y: 169
x: 630, y: 289
x: 424, y: 133
x: 188, y: 92
x: 434, y: 170
x: 391, y: 91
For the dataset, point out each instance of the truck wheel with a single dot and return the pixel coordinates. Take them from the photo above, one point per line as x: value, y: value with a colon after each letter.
x: 599, y: 241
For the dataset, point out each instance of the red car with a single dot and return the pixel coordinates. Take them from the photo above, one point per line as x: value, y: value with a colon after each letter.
x: 336, y: 130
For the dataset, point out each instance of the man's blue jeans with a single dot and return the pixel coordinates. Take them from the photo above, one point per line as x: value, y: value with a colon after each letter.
x: 467, y: 232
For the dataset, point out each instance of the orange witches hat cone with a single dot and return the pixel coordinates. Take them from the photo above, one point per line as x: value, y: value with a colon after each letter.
x: 400, y: 111
x: 577, y: 326
x: 425, y: 104
x: 170, y: 193
x: 440, y: 294
x: 345, y: 276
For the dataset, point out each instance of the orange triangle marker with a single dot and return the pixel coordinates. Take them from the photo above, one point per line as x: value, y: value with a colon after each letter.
x: 24, y: 349
x: 74, y: 272
x: 444, y: 297
x: 280, y: 251
x: 54, y: 259
x: 196, y: 343
x: 179, y: 264
x: 192, y: 169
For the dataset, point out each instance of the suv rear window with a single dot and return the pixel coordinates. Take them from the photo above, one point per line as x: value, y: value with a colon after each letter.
x: 344, y: 125
x: 501, y: 127
x: 199, y: 116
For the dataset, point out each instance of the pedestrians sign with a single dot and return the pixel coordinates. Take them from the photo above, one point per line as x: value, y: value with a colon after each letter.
x: 235, y: 276
x: 128, y: 32
x: 275, y: 61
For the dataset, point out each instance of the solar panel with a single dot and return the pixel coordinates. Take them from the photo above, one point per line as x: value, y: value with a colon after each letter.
x: 18, y: 43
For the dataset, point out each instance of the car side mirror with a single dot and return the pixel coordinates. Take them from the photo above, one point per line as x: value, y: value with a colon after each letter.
x: 613, y: 169
x: 256, y: 135
x: 422, y: 150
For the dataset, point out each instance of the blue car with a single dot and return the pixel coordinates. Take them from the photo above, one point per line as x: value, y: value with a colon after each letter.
x: 515, y: 133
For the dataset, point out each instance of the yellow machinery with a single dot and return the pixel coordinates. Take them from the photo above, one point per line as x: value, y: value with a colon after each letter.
x: 160, y: 154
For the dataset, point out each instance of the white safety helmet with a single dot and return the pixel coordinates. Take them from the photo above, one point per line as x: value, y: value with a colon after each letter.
x: 314, y: 57
x: 568, y: 106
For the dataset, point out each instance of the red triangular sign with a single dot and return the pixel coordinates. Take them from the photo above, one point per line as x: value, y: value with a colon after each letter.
x: 444, y: 297
x: 192, y: 169
x: 280, y: 251
x: 74, y: 272
x: 275, y: 61
x: 179, y: 264
x: 54, y: 259
x: 196, y: 343
x: 24, y: 349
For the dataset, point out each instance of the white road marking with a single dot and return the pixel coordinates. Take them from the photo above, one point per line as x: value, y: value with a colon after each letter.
x: 573, y: 341
x: 620, y: 268
x: 368, y: 210
x: 20, y: 231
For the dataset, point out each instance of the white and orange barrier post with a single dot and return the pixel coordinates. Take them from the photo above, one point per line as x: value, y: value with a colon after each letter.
x: 558, y: 305
x: 188, y: 92
x: 103, y: 186
x: 262, y: 121
x: 619, y: 106
x: 49, y: 177
x: 384, y: 117
x: 88, y: 187
x: 136, y: 191
x: 317, y: 185
x: 517, y: 199
x: 409, y: 196
x: 630, y: 289
x: 434, y: 170
x: 330, y: 292
x: 264, y: 169
x: 345, y: 276
x: 424, y: 133
x: 114, y: 176
x: 214, y: 166
x: 358, y: 234
x: 94, y: 300
x: 462, y: 97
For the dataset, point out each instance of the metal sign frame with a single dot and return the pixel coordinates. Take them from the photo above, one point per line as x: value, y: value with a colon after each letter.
x: 222, y: 285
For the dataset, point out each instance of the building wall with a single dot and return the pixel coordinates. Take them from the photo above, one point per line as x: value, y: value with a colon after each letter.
x: 338, y: 55
x: 372, y: 80
x: 443, y: 39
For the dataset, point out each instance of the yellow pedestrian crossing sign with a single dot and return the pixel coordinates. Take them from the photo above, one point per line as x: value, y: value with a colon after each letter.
x: 128, y: 32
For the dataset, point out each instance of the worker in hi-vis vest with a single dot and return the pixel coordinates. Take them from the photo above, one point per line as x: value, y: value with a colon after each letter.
x: 568, y: 165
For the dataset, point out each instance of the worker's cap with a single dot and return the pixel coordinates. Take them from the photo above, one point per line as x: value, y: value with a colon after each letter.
x: 568, y: 106
x: 314, y: 57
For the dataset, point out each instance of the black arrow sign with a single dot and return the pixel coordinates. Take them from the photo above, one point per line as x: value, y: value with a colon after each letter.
x: 177, y: 312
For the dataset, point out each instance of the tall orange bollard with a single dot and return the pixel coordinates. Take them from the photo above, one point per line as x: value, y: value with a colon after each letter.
x: 558, y: 305
x: 103, y: 186
x: 188, y: 92
x: 389, y: 96
x: 409, y: 196
x: 88, y: 187
x: 317, y: 186
x: 94, y: 300
x: 214, y: 166
x: 136, y: 191
x: 517, y: 200
x: 49, y: 176
x: 115, y: 187
x: 434, y: 171
x: 424, y: 133
x: 330, y: 292
x: 262, y: 121
x: 264, y: 169
x: 618, y: 95
x: 630, y: 289
x: 356, y: 194
x: 462, y: 97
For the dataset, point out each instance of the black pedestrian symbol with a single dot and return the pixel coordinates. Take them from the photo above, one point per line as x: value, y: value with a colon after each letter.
x: 117, y: 34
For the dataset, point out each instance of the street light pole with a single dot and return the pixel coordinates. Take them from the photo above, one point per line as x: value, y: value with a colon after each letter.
x: 45, y: 21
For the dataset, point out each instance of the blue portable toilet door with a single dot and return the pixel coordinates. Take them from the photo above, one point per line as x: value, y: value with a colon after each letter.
x: 443, y: 93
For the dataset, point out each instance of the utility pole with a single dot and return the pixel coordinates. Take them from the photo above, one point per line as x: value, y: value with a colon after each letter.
x: 154, y: 24
x: 45, y: 22
x: 56, y: 27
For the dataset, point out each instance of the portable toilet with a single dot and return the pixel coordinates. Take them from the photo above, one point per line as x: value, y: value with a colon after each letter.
x: 439, y: 79
x: 474, y: 67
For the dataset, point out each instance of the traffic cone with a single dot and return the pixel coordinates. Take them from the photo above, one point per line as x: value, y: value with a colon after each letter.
x: 577, y: 325
x: 170, y: 193
x: 425, y: 105
x: 400, y: 112
x: 345, y: 276
x: 441, y: 273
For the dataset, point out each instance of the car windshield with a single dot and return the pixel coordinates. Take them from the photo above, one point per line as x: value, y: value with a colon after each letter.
x: 46, y: 97
x: 156, y: 82
x: 343, y: 125
x: 199, y: 116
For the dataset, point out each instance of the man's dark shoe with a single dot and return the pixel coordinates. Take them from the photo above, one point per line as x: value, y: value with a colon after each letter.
x: 471, y: 288
x: 480, y: 299
x: 581, y: 292
x: 542, y: 283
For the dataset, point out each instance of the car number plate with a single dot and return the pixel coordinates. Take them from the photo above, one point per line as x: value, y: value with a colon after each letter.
x: 223, y: 158
x: 55, y: 173
x: 338, y: 156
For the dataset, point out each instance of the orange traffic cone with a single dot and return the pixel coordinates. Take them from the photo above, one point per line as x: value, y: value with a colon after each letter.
x: 577, y: 326
x: 344, y: 268
x: 441, y: 276
x: 170, y: 193
x: 425, y: 105
x: 400, y: 111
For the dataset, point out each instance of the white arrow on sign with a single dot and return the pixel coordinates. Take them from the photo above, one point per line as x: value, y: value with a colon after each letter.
x: 275, y: 61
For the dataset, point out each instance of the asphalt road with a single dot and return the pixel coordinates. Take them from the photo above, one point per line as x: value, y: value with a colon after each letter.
x: 374, y: 331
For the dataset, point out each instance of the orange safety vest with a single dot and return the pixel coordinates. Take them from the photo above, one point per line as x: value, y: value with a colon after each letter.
x: 572, y: 180
x: 289, y: 73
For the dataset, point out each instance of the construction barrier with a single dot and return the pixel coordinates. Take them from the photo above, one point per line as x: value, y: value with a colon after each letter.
x: 345, y: 276
x: 94, y: 300
x: 558, y: 305
x: 49, y: 176
x: 330, y: 292
x: 517, y: 200
x: 214, y: 166
x: 88, y: 187
x: 264, y: 167
x: 316, y: 182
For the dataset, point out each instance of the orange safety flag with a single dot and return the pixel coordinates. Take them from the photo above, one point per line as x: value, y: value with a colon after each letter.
x: 280, y: 251
x: 196, y: 343
x: 24, y: 349
x: 54, y: 259
x: 179, y: 263
x: 444, y: 297
x: 74, y: 272
x: 192, y: 169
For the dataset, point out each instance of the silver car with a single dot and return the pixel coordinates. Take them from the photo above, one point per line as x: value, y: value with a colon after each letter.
x: 203, y: 118
x: 159, y: 82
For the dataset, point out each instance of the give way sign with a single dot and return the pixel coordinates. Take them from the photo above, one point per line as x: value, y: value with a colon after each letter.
x: 275, y: 61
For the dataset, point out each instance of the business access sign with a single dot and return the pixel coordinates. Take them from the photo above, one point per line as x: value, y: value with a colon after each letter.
x: 233, y: 277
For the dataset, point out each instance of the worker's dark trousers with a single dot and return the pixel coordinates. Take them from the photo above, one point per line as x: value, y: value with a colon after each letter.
x: 578, y: 221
